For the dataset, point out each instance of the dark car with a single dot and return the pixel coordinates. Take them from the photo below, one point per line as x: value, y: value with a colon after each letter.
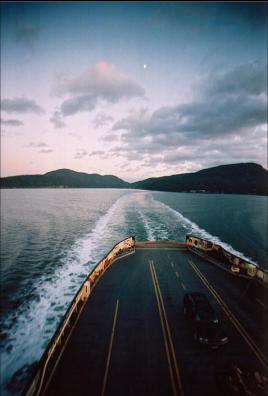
x: 206, y: 327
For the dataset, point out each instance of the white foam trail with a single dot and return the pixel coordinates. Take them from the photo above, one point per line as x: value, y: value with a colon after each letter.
x: 147, y: 227
x: 27, y: 338
x: 155, y: 231
x: 192, y: 227
x: 88, y: 245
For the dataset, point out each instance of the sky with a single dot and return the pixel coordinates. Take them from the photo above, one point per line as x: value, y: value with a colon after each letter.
x: 133, y: 89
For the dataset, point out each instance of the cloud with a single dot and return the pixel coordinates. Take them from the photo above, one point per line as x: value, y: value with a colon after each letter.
x: 101, y: 120
x: 81, y: 154
x: 21, y: 105
x: 75, y: 135
x: 26, y: 33
x: 101, y: 82
x: 210, y: 116
x: 11, y: 122
x: 229, y: 105
x: 97, y: 152
x: 46, y: 151
x: 248, y: 79
x: 78, y: 104
x: 110, y: 137
x: 57, y: 121
x: 44, y: 148
x: 37, y: 144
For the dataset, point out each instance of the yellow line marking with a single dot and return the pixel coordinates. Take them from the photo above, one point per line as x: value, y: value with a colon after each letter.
x: 163, y: 331
x: 177, y: 275
x: 232, y: 318
x: 183, y: 286
x: 110, y: 351
x: 262, y: 304
x: 168, y: 331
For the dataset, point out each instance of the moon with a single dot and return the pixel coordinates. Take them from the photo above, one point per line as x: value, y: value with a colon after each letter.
x: 144, y: 66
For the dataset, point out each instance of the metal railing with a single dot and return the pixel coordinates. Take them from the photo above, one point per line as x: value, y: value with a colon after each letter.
x: 237, y: 265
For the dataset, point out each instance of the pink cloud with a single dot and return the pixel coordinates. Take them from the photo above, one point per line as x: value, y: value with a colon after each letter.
x: 102, y: 81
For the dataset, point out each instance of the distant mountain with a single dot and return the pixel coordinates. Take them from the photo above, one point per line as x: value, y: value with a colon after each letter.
x: 244, y: 178
x: 64, y: 178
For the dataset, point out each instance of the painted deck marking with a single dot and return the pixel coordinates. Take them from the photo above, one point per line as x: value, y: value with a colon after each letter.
x: 110, y: 350
x: 177, y: 275
x: 166, y: 330
x: 163, y: 331
x: 263, y: 360
x: 183, y: 286
x: 262, y: 304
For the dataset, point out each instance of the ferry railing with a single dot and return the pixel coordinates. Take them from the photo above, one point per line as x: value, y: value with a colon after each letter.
x: 226, y: 260
x: 51, y: 356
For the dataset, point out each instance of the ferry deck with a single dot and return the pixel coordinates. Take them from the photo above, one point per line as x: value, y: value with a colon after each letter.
x: 132, y: 338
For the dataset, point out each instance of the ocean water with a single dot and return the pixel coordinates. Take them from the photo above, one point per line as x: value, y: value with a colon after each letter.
x: 51, y: 238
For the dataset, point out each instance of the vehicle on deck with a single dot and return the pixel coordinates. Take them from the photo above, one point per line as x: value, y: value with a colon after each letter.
x: 206, y: 327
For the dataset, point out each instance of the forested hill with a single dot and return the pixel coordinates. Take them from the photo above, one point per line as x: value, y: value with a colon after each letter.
x: 243, y: 178
x: 64, y: 178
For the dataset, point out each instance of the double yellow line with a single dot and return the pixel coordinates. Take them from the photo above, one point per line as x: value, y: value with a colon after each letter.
x: 232, y: 318
x: 110, y: 350
x: 171, y: 357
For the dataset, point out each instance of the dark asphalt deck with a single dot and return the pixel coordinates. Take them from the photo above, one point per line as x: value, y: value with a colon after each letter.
x: 118, y: 347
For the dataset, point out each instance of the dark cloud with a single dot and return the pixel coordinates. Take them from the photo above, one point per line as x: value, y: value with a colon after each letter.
x: 102, y: 82
x: 101, y: 120
x: 37, y: 144
x: 26, y: 33
x: 230, y: 108
x: 246, y: 79
x: 251, y: 146
x: 57, y: 121
x: 46, y: 151
x: 44, y: 148
x: 211, y: 117
x: 111, y: 137
x: 97, y: 152
x: 80, y: 154
x: 78, y: 103
x: 230, y: 105
x: 21, y: 105
x: 11, y: 122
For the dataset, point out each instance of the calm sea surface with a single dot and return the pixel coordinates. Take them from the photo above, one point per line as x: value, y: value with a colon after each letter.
x: 51, y: 238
